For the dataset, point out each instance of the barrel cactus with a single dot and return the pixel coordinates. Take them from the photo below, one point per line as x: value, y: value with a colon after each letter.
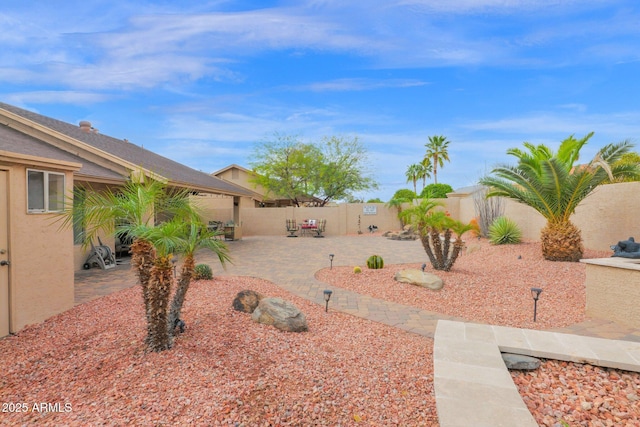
x: 375, y: 262
x: 202, y: 272
x: 357, y: 270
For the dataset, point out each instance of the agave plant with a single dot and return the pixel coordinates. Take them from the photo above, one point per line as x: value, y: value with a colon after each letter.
x: 554, y: 185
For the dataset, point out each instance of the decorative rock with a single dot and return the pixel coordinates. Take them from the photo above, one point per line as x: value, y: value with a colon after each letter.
x: 520, y: 362
x: 281, y: 314
x: 419, y: 278
x: 246, y: 301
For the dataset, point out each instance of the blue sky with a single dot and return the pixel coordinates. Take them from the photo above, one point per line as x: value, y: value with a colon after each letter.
x: 202, y: 81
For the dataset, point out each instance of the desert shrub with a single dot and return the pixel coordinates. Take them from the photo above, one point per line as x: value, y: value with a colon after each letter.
x: 487, y: 210
x: 436, y: 191
x: 375, y: 262
x: 504, y: 231
x: 202, y: 272
x: 357, y: 270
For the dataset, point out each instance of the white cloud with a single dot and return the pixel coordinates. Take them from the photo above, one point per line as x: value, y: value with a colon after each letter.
x: 55, y: 97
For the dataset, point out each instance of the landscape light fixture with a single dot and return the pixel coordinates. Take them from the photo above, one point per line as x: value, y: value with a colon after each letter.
x: 331, y: 261
x: 423, y: 267
x: 327, y: 297
x: 535, y: 293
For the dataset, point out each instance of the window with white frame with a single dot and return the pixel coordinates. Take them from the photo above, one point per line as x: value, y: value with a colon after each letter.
x: 45, y: 191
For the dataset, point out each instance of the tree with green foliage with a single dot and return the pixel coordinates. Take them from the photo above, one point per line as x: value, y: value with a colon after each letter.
x: 552, y: 184
x: 437, y: 153
x: 343, y: 169
x: 436, y: 191
x: 375, y: 200
x: 632, y: 158
x: 413, y: 174
x: 133, y: 210
x: 425, y: 170
x: 331, y: 170
x: 400, y: 197
x: 436, y: 230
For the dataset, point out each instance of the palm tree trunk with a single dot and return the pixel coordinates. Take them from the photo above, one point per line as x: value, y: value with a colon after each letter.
x: 143, y: 256
x: 447, y: 244
x: 181, y: 291
x: 457, y: 247
x: 437, y: 248
x: 424, y: 239
x: 159, y: 291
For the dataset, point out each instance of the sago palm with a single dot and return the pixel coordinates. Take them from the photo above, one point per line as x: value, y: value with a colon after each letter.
x: 195, y: 236
x: 554, y: 185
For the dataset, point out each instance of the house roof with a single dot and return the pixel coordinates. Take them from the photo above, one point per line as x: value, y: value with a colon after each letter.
x: 14, y: 141
x: 115, y: 155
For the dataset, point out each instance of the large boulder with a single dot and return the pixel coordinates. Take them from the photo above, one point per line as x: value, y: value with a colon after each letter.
x: 281, y: 314
x: 246, y: 301
x: 419, y: 278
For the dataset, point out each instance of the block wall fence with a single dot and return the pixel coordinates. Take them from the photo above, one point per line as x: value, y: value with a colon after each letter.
x: 611, y: 213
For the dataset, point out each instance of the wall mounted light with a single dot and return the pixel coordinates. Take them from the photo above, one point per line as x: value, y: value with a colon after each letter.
x: 535, y: 293
x: 327, y: 297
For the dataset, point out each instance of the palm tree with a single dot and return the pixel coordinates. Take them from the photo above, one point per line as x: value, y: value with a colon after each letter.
x: 196, y: 236
x: 399, y: 198
x: 437, y: 153
x: 413, y: 174
x: 425, y: 170
x: 436, y: 229
x: 132, y: 210
x: 553, y: 185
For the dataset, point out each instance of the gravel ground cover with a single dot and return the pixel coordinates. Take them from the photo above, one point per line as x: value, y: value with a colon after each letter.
x: 488, y: 283
x: 88, y: 365
x: 491, y: 284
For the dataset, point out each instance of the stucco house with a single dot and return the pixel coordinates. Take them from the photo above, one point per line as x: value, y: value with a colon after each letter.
x: 41, y: 160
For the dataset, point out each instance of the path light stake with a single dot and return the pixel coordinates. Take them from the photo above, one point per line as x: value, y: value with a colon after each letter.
x: 535, y: 293
x: 331, y: 261
x: 327, y: 297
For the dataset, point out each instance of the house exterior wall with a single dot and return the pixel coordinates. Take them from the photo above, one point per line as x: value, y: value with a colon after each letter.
x: 41, y: 256
x: 241, y: 178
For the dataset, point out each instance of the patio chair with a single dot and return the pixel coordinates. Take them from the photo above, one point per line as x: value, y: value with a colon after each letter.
x: 320, y: 227
x: 292, y: 227
x: 218, y: 228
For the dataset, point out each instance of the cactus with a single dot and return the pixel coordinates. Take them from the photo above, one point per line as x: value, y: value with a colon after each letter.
x: 357, y: 270
x: 202, y: 272
x: 375, y: 262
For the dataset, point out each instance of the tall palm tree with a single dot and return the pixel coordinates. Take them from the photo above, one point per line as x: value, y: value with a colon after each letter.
x: 437, y: 153
x: 425, y: 170
x: 413, y: 174
x: 554, y: 185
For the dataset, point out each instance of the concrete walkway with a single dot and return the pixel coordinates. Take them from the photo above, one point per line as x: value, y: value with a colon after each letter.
x: 291, y: 263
